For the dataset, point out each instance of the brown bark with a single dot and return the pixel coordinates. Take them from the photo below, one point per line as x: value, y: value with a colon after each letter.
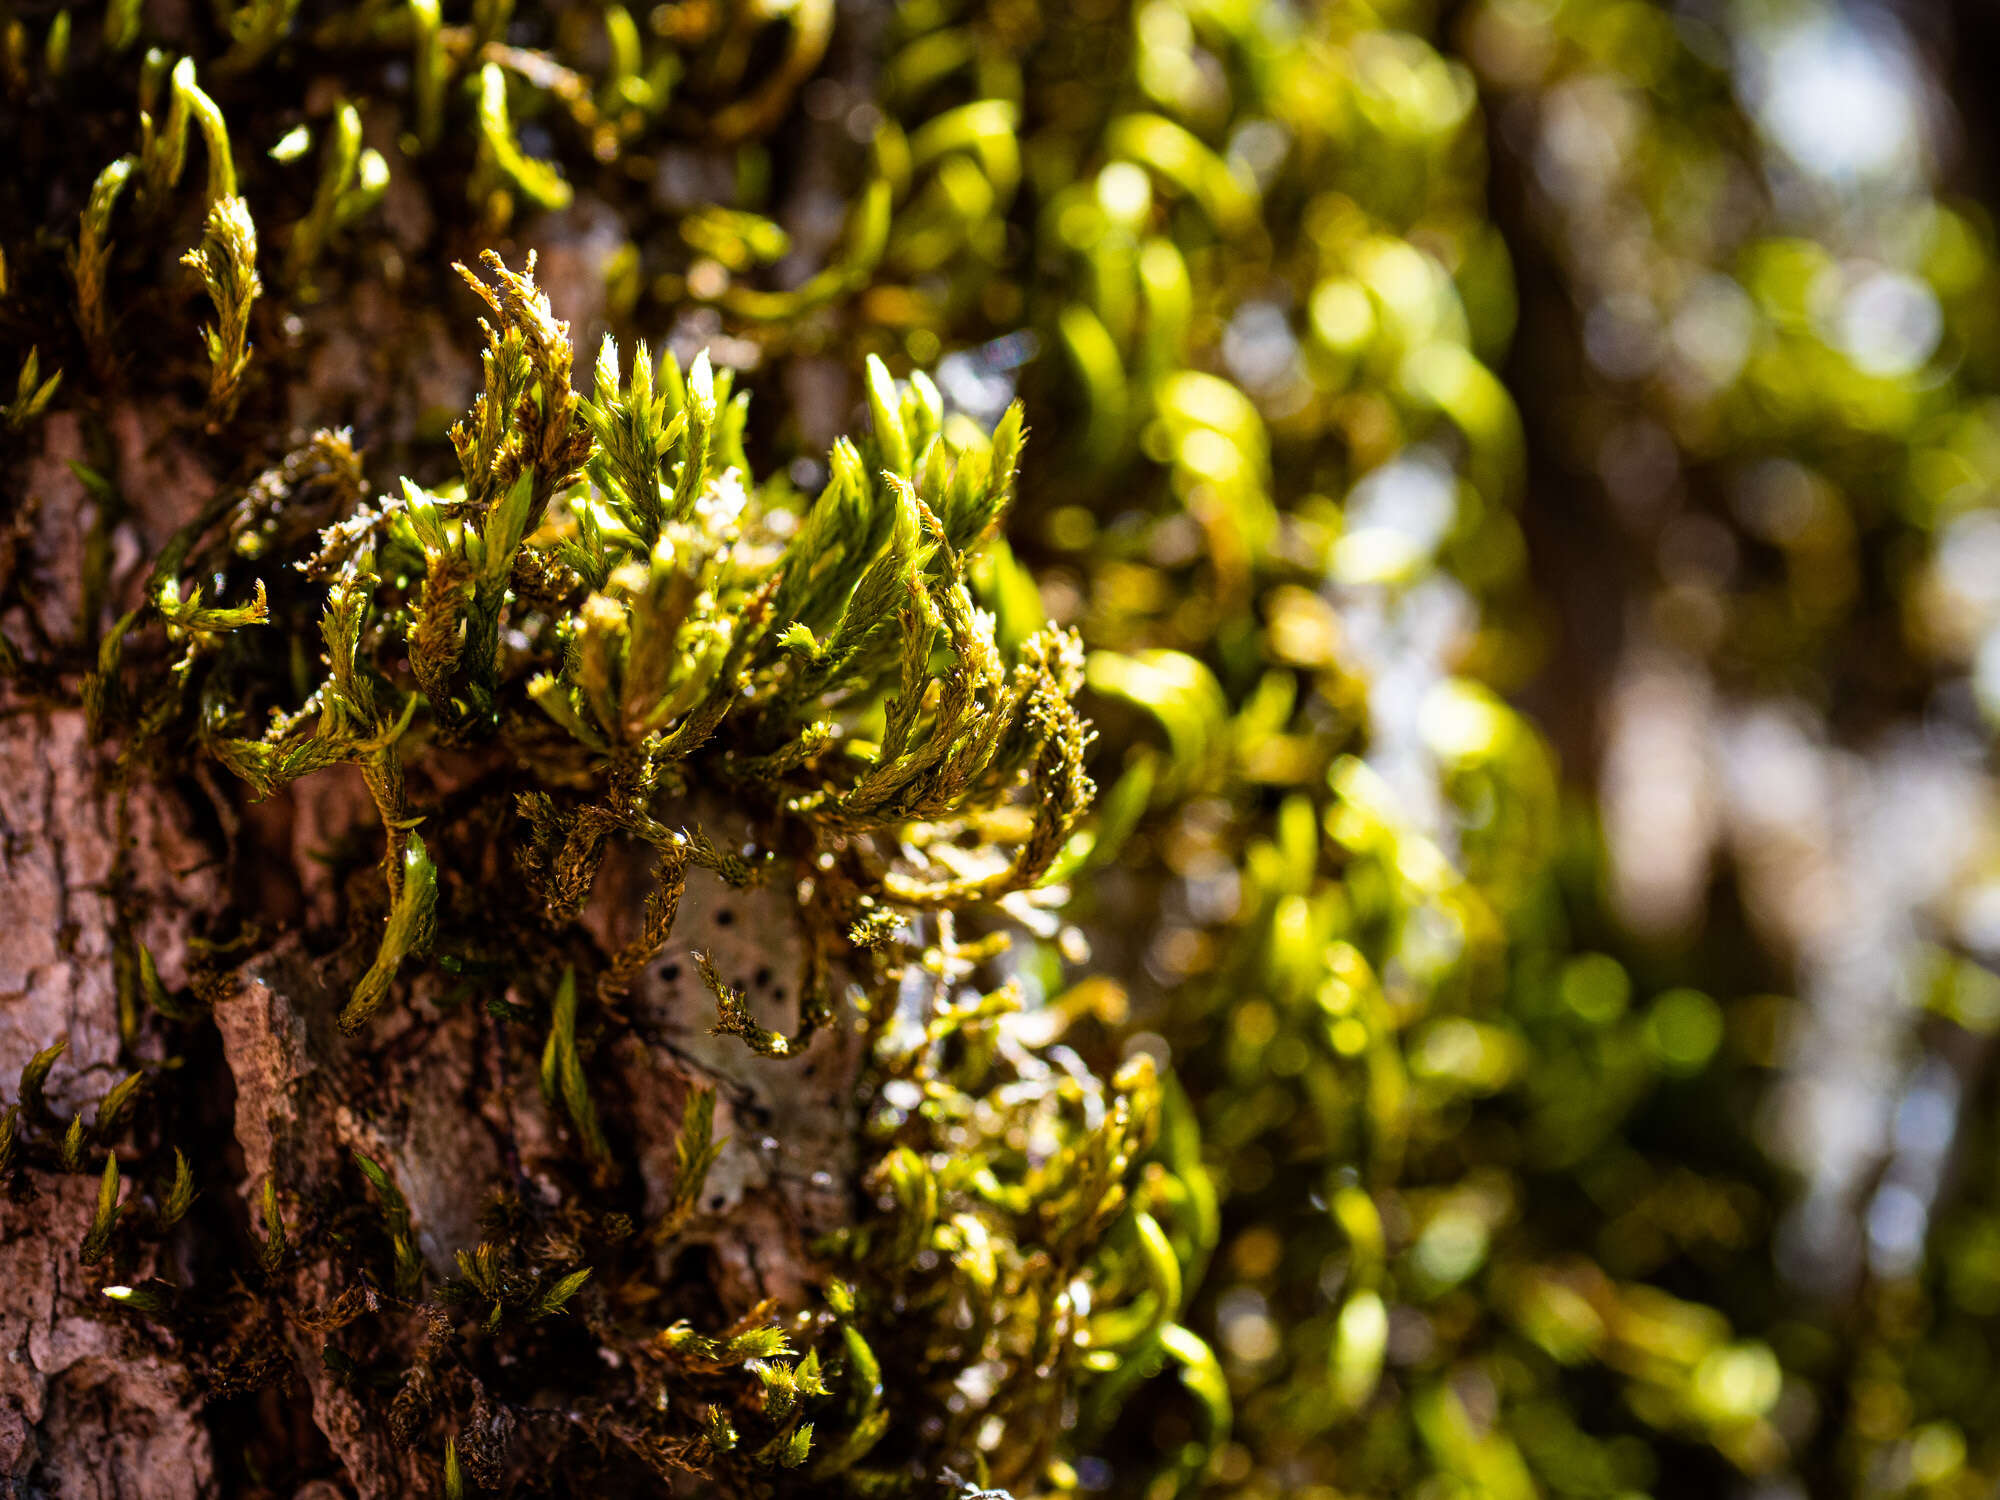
x: 89, y: 1405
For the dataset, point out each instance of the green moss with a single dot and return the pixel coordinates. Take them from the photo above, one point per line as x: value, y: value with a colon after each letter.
x: 608, y: 602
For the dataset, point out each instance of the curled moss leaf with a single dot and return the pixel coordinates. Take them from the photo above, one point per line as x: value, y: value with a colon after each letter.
x: 352, y: 179
x: 809, y: 26
x: 430, y: 69
x: 226, y: 261
x: 395, y: 1208
x: 562, y: 1071
x: 189, y: 99
x: 70, y: 1152
x: 695, y: 1151
x: 186, y: 613
x: 55, y: 47
x: 865, y: 239
x: 1201, y: 1374
x: 114, y: 1106
x: 155, y: 992
x: 32, y: 394
x: 163, y: 141
x: 501, y: 154
x: 35, y: 1077
x: 865, y: 1419
x: 557, y: 1296
x: 181, y: 1195
x: 885, y: 408
x: 292, y: 145
x: 408, y: 931
x: 121, y: 24
x: 409, y: 1266
x: 272, y: 1254
x: 912, y: 1197
x: 154, y: 1299
x: 104, y: 1220
x: 89, y: 262
x: 338, y: 158
x: 797, y: 1447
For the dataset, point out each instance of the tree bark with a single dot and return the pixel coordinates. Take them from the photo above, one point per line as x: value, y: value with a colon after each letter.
x: 89, y: 1405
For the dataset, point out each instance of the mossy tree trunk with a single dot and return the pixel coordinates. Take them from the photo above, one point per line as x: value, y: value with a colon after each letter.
x: 243, y: 905
x: 509, y: 860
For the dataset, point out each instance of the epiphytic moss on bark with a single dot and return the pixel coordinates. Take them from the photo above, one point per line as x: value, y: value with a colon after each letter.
x: 596, y: 1056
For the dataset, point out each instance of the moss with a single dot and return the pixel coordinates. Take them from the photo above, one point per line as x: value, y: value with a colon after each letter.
x: 608, y: 612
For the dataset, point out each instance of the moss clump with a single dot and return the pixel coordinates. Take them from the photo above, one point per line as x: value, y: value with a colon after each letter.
x: 669, y: 627
x: 614, y: 632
